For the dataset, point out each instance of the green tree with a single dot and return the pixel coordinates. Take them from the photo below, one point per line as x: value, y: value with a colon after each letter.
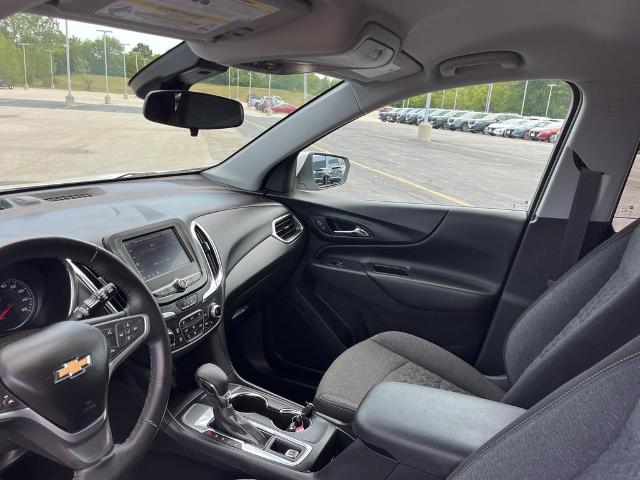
x: 143, y: 49
x: 35, y: 29
x: 10, y: 61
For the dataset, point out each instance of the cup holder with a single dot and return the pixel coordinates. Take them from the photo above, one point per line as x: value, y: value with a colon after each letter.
x: 281, y: 419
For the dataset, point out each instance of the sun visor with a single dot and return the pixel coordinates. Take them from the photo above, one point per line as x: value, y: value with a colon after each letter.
x: 202, y: 20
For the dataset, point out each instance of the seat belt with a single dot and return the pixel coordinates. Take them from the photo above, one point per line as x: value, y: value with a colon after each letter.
x: 579, y: 217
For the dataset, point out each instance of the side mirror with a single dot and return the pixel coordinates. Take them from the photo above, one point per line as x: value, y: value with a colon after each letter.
x: 316, y: 171
x: 192, y: 110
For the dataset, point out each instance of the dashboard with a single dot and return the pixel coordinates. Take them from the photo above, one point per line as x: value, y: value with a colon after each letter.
x: 200, y: 248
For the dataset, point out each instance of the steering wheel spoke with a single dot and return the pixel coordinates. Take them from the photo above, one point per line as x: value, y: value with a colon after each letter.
x: 23, y: 426
x: 124, y: 334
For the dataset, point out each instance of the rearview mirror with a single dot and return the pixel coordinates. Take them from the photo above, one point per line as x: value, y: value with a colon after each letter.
x: 317, y: 171
x: 192, y: 110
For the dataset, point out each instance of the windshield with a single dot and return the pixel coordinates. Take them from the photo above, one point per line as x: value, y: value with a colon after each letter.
x: 87, y: 123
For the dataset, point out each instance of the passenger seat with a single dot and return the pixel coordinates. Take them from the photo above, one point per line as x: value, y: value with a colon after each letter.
x: 586, y: 315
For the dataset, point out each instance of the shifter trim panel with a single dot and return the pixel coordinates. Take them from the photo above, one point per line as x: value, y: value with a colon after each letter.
x: 198, y: 417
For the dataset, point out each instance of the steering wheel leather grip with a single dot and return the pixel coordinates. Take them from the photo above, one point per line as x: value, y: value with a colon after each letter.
x: 67, y: 367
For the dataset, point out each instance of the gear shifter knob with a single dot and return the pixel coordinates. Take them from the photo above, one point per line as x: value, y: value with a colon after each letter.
x: 212, y: 380
x: 215, y: 384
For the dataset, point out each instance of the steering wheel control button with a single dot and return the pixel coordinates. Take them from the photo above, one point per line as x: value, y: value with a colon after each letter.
x: 120, y: 334
x: 8, y: 402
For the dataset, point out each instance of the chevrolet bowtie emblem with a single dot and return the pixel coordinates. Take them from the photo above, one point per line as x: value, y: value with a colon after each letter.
x: 72, y: 368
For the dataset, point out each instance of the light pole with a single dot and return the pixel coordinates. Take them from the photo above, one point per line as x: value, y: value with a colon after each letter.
x: 524, y: 97
x: 125, y: 95
x: 136, y: 54
x: 24, y: 61
x: 69, y: 98
x: 427, y: 107
x: 424, y: 129
x: 269, y: 102
x: 107, y: 98
x: 551, y: 85
x: 305, y: 88
x: 51, y: 66
x: 444, y: 94
x: 455, y: 100
x: 238, y: 84
x: 249, y: 96
x: 489, y: 94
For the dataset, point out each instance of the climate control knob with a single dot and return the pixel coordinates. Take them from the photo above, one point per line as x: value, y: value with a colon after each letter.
x: 215, y: 311
x: 172, y: 337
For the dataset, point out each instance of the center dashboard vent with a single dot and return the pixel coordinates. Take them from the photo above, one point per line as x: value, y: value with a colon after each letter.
x: 287, y: 228
x: 71, y: 196
x: 209, y: 250
x: 55, y: 196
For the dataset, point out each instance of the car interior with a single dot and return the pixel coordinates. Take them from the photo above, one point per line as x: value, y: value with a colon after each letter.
x: 244, y: 321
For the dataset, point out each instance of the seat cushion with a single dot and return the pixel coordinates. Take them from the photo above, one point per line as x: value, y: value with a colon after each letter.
x: 395, y: 357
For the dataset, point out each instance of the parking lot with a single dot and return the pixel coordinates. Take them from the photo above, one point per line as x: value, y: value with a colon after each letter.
x: 44, y: 141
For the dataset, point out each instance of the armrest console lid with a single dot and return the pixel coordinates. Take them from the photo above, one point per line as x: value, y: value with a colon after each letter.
x: 426, y: 428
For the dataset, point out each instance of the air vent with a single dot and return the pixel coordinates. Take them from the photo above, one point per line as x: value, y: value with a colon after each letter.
x: 69, y: 196
x: 287, y: 228
x: 94, y: 282
x: 210, y: 253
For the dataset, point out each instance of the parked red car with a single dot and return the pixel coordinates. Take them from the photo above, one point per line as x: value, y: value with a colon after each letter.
x: 543, y: 134
x: 4, y: 84
x: 283, y: 108
x: 269, y: 101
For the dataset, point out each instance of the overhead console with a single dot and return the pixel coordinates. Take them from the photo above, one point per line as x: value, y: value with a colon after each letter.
x: 182, y: 268
x: 373, y: 54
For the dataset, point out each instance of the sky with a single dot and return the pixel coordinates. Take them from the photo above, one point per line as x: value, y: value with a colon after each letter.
x: 88, y: 30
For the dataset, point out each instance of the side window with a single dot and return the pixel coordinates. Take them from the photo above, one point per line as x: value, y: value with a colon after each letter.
x: 480, y: 146
x: 629, y: 206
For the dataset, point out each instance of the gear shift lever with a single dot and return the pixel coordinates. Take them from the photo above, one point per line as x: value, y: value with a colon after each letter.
x: 215, y: 384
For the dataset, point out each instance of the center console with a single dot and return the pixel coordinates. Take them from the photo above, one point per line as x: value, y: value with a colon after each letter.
x: 297, y: 446
x: 182, y: 268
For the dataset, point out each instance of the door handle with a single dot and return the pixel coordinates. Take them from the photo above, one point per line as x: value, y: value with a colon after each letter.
x: 356, y: 232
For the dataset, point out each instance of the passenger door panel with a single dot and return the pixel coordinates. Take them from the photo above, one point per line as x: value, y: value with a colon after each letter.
x: 435, y: 272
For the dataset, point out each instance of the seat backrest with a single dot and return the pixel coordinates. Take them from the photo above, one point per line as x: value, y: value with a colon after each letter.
x: 589, y: 429
x: 586, y: 315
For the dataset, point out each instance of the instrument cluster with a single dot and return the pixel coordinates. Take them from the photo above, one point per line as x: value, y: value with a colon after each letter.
x: 34, y: 294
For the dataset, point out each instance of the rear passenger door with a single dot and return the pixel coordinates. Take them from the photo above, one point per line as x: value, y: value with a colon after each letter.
x: 419, y: 239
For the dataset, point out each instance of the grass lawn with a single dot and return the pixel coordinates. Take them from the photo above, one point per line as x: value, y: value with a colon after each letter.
x: 95, y: 83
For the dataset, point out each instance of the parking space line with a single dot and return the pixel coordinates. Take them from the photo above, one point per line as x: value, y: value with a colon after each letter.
x: 436, y: 193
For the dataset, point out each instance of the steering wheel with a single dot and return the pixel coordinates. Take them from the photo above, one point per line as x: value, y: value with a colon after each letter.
x: 54, y: 381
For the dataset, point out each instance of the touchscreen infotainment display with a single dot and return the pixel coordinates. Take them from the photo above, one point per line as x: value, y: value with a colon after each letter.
x: 157, y: 253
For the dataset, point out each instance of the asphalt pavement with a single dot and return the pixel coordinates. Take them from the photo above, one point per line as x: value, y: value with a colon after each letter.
x: 44, y: 142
